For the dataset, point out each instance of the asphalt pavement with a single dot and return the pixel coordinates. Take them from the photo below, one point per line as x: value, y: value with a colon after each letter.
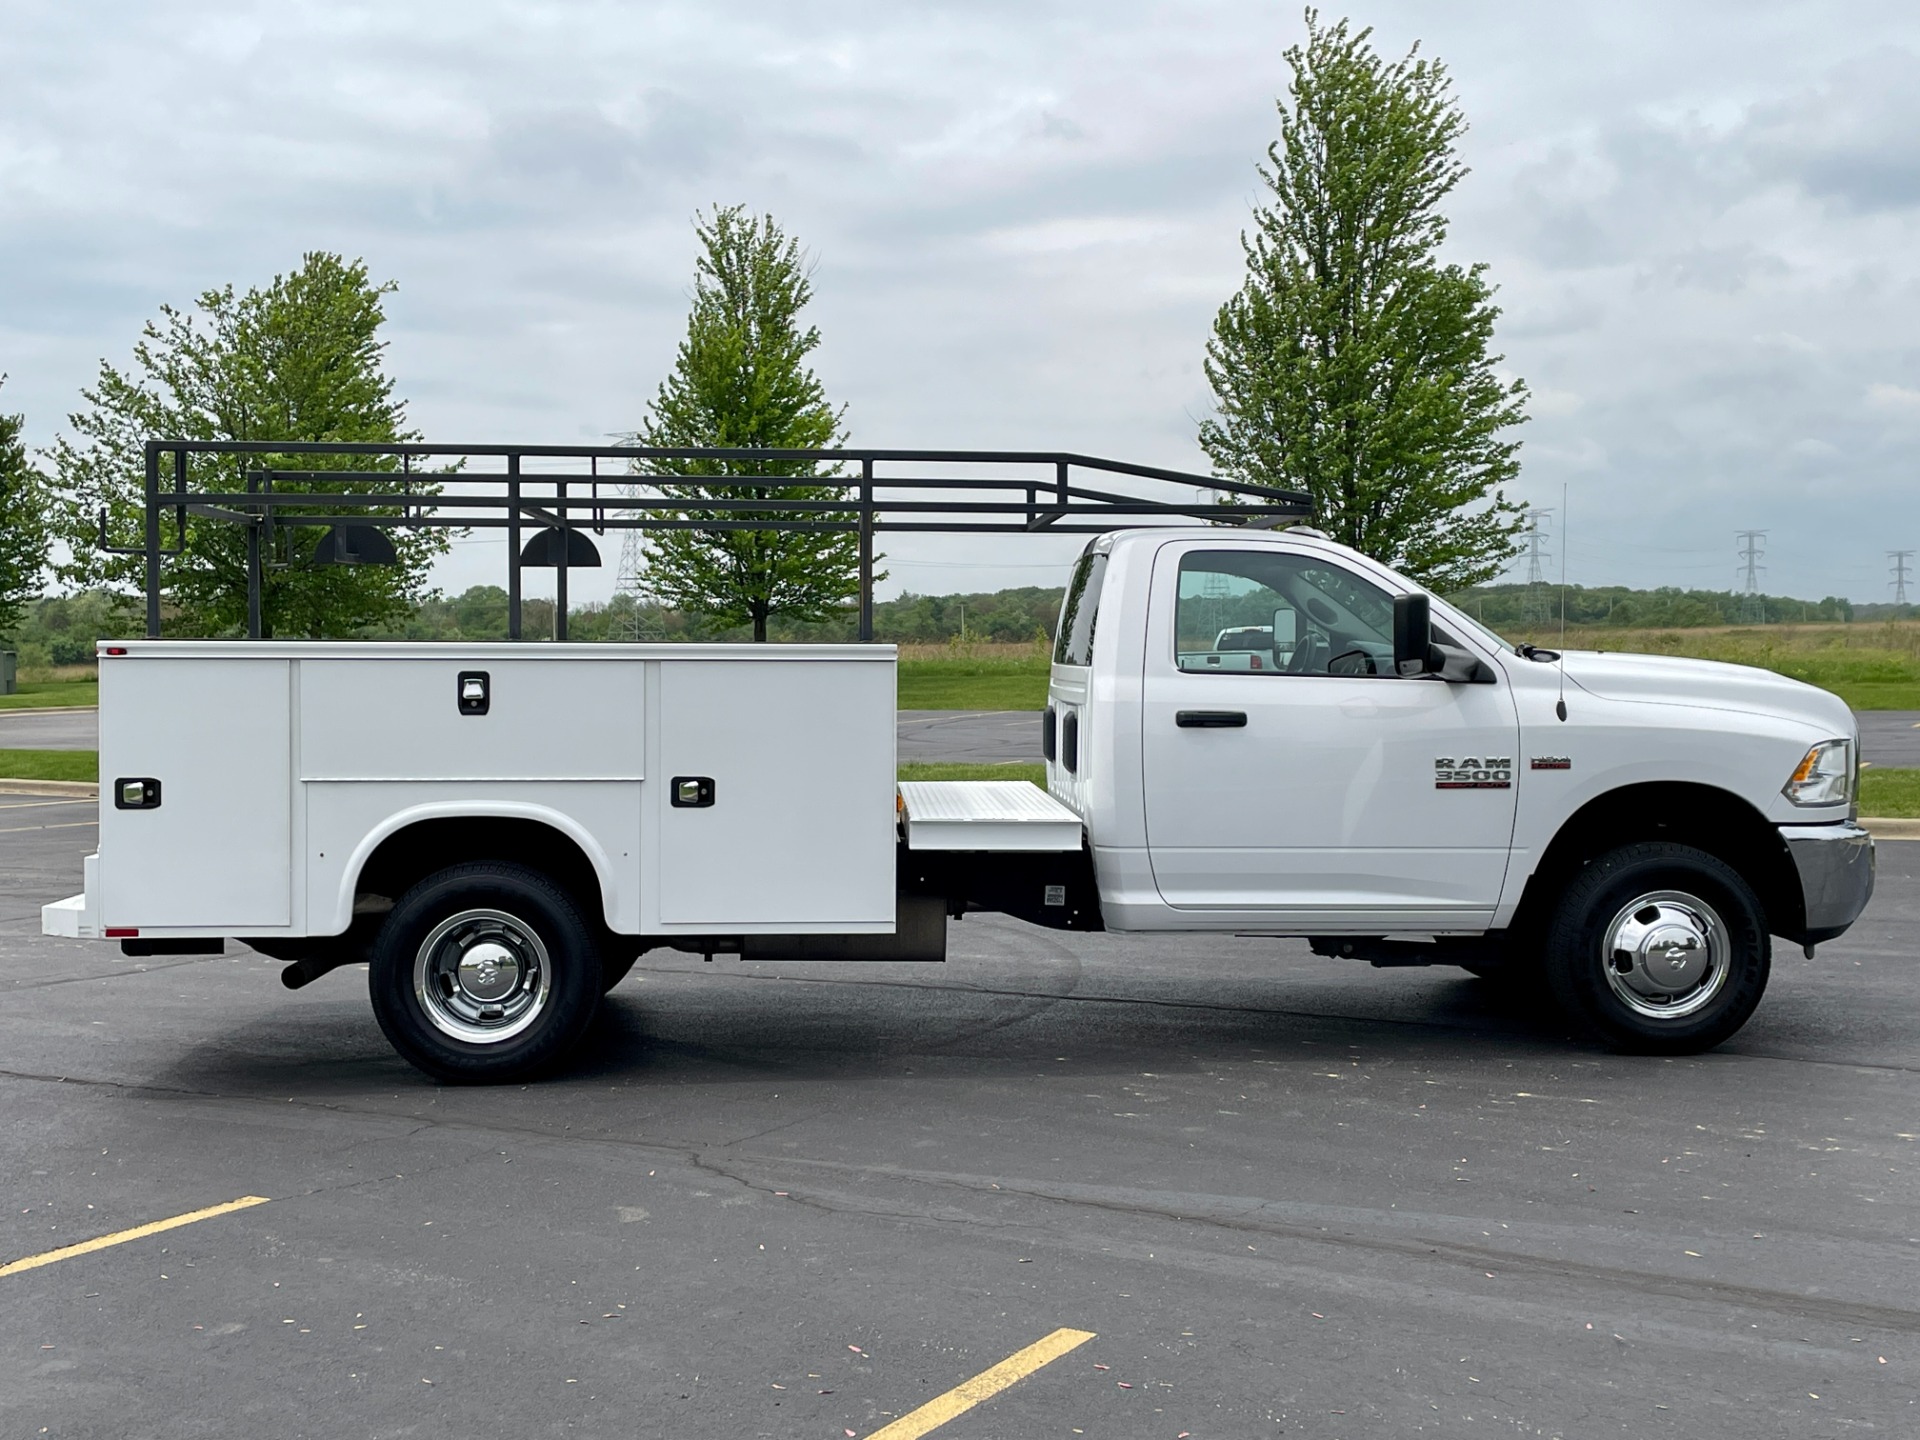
x: 977, y: 737
x: 49, y: 730
x: 1890, y: 738
x: 1284, y: 1194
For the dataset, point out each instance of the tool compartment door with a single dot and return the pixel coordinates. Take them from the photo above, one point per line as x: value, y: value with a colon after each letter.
x: 216, y: 852
x: 799, y: 830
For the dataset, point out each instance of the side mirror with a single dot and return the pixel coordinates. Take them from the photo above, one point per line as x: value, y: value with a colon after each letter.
x: 1285, y: 636
x: 1413, y: 635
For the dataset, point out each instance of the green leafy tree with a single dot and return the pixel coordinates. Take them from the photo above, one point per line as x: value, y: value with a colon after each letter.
x: 741, y: 378
x: 298, y: 360
x: 1353, y: 364
x: 23, y: 524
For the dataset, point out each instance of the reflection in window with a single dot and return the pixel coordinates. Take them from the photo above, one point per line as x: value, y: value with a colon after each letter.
x: 1263, y: 610
x: 1073, y: 643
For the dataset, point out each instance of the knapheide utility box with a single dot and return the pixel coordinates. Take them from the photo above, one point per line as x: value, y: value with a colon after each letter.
x: 245, y: 786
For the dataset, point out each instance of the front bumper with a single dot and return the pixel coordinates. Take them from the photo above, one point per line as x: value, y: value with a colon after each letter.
x: 1835, y: 864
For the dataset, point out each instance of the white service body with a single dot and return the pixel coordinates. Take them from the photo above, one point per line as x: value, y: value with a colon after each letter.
x: 284, y: 766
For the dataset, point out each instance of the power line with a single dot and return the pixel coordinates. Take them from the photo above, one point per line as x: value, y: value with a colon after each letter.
x: 629, y: 582
x: 1899, y: 581
x: 1536, y: 532
x: 1753, y: 608
x: 1539, y: 606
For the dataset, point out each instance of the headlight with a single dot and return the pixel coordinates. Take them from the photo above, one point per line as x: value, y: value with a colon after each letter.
x: 1824, y: 776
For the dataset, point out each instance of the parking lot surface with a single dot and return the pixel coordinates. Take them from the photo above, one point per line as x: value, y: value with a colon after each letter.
x: 49, y: 730
x: 976, y: 737
x: 1283, y: 1195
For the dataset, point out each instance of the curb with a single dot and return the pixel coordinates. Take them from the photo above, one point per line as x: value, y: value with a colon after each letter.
x: 1891, y: 829
x: 6, y: 710
x: 83, y: 789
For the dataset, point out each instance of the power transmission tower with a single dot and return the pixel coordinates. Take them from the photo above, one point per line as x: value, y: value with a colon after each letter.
x: 1753, y: 607
x: 1539, y: 604
x: 1899, y: 581
x: 632, y: 566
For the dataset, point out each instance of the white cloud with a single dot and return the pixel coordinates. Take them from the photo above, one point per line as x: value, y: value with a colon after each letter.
x: 1897, y: 399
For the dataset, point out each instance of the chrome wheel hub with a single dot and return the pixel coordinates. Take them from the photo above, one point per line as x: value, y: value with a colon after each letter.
x: 482, y: 976
x: 1666, y: 954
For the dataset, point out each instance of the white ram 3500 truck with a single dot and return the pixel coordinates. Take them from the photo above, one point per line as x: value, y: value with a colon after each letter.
x: 500, y: 830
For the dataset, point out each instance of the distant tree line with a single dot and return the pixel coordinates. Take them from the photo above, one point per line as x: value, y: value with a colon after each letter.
x: 1002, y: 617
x: 62, y: 630
x: 1518, y: 608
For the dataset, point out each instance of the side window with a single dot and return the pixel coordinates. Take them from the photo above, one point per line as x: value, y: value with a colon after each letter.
x: 1073, y: 642
x: 1274, y: 612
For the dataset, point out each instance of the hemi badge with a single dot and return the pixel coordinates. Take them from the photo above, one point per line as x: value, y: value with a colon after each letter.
x: 1550, y: 762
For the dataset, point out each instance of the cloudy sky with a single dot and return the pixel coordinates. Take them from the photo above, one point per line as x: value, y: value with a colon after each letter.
x: 1703, y: 220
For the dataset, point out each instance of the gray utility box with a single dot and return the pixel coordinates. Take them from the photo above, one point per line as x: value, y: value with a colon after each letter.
x: 9, y: 664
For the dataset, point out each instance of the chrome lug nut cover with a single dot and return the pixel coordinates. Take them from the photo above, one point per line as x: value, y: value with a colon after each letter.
x: 482, y: 976
x: 1666, y: 954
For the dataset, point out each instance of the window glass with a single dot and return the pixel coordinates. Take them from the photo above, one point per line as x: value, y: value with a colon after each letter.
x: 1073, y: 640
x: 1286, y: 614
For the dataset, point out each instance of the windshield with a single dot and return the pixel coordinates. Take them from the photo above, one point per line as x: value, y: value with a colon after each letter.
x: 1466, y: 622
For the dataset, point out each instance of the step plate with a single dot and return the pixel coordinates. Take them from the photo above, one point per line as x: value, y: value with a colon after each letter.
x: 1003, y: 815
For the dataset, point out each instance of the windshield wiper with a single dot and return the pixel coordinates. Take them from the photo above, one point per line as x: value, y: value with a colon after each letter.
x: 1535, y: 652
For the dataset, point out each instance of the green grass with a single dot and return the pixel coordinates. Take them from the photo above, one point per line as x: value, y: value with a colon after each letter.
x: 973, y: 683
x: 1036, y: 773
x: 52, y: 694
x: 1871, y: 667
x: 49, y: 764
x: 1890, y: 794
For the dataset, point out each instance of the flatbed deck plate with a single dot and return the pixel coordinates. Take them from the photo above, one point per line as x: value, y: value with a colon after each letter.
x: 986, y: 815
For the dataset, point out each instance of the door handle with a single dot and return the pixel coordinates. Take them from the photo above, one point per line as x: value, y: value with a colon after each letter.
x: 1210, y: 719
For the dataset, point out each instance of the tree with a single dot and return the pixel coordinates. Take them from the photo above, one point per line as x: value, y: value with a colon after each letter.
x: 298, y: 360
x: 23, y: 524
x: 1353, y: 364
x: 741, y: 379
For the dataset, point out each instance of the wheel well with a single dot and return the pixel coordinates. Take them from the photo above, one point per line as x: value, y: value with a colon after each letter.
x: 1716, y: 821
x: 416, y: 851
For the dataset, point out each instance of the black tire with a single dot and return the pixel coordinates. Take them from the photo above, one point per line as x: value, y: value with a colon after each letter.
x: 1690, y: 955
x: 484, y: 973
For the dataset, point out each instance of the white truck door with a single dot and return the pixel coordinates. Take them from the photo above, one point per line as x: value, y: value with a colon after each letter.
x: 216, y: 847
x: 1307, y: 777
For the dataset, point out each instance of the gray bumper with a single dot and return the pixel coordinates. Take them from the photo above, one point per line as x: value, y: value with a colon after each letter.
x: 1835, y: 863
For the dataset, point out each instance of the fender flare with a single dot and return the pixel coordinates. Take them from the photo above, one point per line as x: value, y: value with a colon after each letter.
x: 341, y: 915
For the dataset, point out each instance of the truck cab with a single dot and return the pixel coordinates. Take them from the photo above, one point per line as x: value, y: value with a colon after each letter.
x: 1443, y: 797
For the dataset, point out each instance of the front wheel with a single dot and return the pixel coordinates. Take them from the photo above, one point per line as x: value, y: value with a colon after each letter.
x: 484, y: 972
x: 1658, y: 949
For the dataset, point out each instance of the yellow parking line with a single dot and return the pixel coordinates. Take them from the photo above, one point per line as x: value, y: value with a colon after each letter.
x: 138, y: 1232
x: 984, y: 1386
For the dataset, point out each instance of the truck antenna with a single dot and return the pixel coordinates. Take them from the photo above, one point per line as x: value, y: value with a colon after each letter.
x: 1560, y: 706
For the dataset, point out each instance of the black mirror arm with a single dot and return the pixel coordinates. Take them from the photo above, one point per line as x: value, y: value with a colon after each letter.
x: 1457, y: 666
